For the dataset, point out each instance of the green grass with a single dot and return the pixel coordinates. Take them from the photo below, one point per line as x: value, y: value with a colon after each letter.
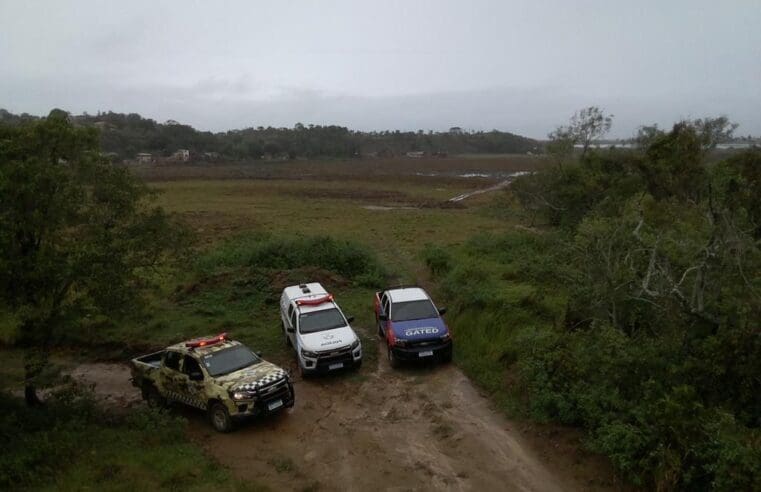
x: 253, y: 239
x: 256, y: 237
x: 500, y: 294
x: 69, y: 444
x: 235, y: 286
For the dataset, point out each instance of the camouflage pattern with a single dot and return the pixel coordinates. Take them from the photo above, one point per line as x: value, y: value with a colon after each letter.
x: 177, y: 386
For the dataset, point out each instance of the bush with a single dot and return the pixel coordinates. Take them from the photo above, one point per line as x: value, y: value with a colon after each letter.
x: 437, y: 259
x: 345, y: 258
x: 69, y: 443
x: 671, y: 399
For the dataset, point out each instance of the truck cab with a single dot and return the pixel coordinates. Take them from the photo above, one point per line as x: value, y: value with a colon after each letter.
x: 317, y: 329
x: 411, y: 325
x: 220, y: 376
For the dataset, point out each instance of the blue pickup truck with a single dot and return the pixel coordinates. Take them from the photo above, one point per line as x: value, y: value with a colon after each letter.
x: 411, y: 325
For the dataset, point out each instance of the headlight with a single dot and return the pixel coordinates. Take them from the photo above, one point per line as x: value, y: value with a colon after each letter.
x: 400, y: 342
x: 355, y: 344
x: 242, y: 395
x: 446, y: 337
x: 307, y: 353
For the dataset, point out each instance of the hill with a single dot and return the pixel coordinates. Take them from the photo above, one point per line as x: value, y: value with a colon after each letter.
x: 126, y: 135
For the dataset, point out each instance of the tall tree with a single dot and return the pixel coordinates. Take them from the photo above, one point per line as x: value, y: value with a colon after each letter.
x: 76, y: 234
x: 585, y: 126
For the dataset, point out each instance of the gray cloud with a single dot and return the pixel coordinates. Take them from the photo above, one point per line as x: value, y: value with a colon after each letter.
x: 519, y: 66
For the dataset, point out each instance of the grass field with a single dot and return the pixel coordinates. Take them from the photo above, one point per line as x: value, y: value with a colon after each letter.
x: 390, y: 208
x: 387, y: 213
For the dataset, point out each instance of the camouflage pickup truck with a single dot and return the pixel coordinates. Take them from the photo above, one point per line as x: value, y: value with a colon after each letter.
x: 216, y: 374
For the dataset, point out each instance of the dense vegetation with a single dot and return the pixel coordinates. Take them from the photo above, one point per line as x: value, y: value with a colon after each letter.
x: 82, y: 447
x: 126, y: 135
x: 79, y: 235
x: 633, y: 311
x: 88, y: 263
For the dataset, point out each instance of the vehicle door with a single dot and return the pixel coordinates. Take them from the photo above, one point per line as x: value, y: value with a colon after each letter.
x: 293, y: 326
x: 170, y: 377
x: 385, y: 309
x: 193, y: 383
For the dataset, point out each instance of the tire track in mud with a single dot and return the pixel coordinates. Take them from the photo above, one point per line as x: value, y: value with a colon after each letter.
x: 414, y: 428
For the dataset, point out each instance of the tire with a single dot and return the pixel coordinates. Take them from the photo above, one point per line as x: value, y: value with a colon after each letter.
x: 393, y: 361
x: 220, y: 418
x: 293, y: 398
x: 381, y: 335
x: 304, y: 373
x: 446, y: 358
x: 357, y: 365
x: 153, y: 398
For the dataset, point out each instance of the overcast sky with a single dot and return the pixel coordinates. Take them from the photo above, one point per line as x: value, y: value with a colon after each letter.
x: 520, y: 66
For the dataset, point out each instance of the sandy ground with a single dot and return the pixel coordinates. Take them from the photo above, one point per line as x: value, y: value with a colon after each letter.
x: 417, y: 428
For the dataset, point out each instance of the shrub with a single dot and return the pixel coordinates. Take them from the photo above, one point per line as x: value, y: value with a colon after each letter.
x: 437, y: 259
x: 346, y: 258
x: 57, y: 442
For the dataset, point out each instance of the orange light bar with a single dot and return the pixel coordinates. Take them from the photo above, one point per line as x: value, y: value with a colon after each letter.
x: 316, y: 301
x: 207, y: 341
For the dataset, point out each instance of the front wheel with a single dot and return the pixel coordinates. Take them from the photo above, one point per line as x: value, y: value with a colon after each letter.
x: 393, y: 361
x: 446, y: 358
x: 220, y: 418
x: 303, y: 372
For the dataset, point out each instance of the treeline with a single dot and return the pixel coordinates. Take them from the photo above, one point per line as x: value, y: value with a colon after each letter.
x: 126, y: 135
x: 630, y: 306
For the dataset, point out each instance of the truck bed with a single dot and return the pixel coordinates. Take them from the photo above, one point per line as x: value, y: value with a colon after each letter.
x: 153, y: 360
x: 145, y: 368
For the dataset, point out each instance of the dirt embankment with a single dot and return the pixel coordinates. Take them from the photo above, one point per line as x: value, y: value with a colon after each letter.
x: 412, y: 429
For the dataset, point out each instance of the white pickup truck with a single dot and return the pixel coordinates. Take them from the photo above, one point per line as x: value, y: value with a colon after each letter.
x: 317, y: 329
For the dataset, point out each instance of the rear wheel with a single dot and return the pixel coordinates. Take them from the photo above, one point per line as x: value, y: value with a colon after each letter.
x: 393, y: 361
x: 152, y: 396
x: 220, y: 418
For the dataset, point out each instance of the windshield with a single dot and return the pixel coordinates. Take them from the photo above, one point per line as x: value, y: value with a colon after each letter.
x: 229, y: 360
x: 327, y: 319
x: 405, y: 311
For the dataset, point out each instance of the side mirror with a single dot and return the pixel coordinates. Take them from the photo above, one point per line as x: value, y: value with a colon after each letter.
x: 290, y: 329
x: 196, y: 376
x: 383, y: 317
x: 442, y: 311
x: 258, y: 354
x: 350, y: 319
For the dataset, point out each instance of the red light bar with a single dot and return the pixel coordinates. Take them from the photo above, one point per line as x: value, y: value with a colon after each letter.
x: 206, y: 341
x: 316, y: 301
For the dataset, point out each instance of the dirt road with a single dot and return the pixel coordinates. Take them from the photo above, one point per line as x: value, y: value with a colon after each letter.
x: 419, y: 428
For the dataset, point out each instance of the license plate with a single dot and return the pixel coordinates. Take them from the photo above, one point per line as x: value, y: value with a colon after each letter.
x: 274, y: 404
x: 337, y: 365
x: 426, y: 353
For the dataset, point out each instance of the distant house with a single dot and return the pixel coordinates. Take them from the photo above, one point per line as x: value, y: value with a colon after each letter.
x: 144, y: 158
x: 455, y: 130
x: 416, y: 154
x: 181, y: 155
x: 211, y: 156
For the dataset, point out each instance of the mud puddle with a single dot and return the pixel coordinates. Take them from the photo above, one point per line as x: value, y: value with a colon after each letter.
x: 498, y: 186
